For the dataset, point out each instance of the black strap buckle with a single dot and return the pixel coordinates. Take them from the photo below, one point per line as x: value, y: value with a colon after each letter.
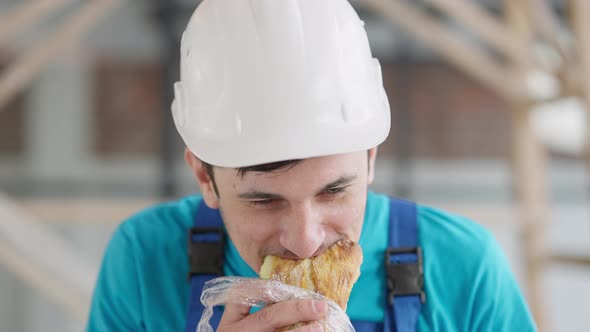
x: 405, y: 279
x: 206, y: 252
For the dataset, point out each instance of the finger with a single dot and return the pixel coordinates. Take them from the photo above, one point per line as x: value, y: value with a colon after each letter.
x: 286, y: 313
x: 233, y: 313
x: 314, y: 327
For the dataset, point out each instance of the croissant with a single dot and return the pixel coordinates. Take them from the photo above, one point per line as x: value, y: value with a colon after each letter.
x: 332, y: 274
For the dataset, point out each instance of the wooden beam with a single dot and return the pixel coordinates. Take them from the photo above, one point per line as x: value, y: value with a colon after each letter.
x: 493, y: 31
x: 26, y: 14
x: 529, y: 162
x: 529, y: 169
x: 84, y: 211
x: 45, y: 260
x: 578, y: 260
x: 475, y: 61
x: 20, y: 74
x: 547, y: 24
x: 580, y: 12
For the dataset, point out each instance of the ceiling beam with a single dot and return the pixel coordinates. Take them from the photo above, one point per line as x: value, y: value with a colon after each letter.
x: 45, y: 260
x: 473, y: 60
x: 492, y: 30
x: 26, y: 15
x: 19, y: 75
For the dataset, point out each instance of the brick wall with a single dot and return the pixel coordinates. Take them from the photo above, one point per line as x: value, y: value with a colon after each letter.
x: 127, y: 108
x: 449, y: 114
x: 11, y: 121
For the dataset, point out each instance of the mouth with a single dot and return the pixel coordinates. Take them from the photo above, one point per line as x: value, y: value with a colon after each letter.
x: 332, y: 274
x: 286, y: 254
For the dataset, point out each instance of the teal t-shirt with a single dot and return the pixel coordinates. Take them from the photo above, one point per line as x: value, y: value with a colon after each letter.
x: 142, y: 285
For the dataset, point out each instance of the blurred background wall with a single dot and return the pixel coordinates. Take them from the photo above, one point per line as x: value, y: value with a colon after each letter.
x: 90, y: 141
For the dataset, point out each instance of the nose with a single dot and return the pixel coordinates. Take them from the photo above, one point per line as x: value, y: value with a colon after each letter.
x: 303, y: 232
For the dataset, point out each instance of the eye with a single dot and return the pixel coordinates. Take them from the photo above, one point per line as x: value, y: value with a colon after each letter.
x: 334, y: 191
x: 262, y: 202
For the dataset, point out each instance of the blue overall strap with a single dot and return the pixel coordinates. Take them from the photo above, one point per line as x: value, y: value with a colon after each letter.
x: 206, y: 240
x: 403, y: 263
x: 366, y: 326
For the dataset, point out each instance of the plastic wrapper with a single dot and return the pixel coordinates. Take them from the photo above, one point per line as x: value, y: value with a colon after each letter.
x: 258, y: 293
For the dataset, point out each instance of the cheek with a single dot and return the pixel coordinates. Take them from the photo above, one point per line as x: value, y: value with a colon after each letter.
x: 260, y: 229
x: 250, y: 234
x: 248, y: 228
x: 348, y: 218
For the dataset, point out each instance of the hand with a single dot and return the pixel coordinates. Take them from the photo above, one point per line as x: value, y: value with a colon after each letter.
x: 275, y: 316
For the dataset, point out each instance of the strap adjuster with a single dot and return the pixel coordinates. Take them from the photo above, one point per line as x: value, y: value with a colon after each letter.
x: 403, y: 278
x: 205, y: 251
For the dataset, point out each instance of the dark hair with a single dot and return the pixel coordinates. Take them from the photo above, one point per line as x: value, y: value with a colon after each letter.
x: 266, y: 168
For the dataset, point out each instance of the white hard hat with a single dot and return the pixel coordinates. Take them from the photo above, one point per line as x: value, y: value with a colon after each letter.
x: 273, y: 80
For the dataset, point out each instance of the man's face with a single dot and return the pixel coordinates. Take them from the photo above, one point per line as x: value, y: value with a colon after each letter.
x: 294, y: 212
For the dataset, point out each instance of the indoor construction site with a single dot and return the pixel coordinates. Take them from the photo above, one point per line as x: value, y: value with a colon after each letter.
x: 489, y: 105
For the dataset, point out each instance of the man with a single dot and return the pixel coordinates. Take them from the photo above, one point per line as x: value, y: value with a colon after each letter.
x: 282, y: 107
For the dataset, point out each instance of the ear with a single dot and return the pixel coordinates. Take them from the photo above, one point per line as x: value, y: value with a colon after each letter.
x: 372, y: 157
x: 203, y: 179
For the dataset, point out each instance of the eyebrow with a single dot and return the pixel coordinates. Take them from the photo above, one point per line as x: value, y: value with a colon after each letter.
x: 259, y: 195
x: 343, y: 180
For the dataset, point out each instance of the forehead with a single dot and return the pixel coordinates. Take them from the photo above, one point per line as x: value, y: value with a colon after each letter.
x: 313, y: 171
